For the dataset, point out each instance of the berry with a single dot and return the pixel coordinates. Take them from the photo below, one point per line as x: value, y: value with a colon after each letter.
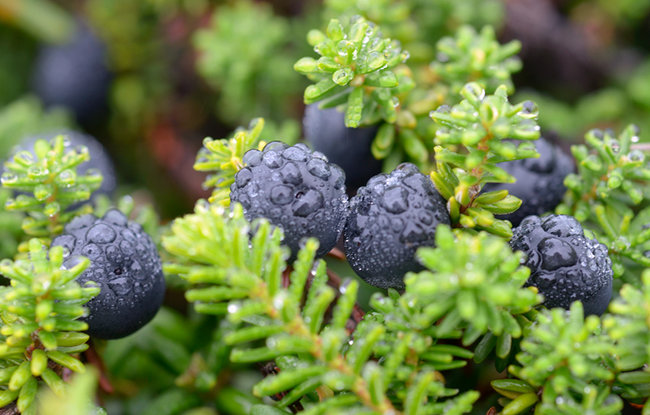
x: 295, y: 189
x: 124, y: 263
x: 390, y: 217
x: 565, y: 265
x: 540, y: 181
x: 99, y: 158
x: 74, y: 74
x: 349, y: 148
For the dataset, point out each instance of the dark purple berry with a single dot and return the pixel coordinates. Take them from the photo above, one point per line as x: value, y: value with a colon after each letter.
x: 124, y: 263
x: 390, y: 218
x: 295, y: 189
x: 346, y: 147
x: 74, y: 75
x: 565, y: 265
x: 540, y: 181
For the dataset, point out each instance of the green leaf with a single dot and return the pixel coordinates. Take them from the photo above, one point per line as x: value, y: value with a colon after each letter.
x: 520, y: 404
x: 286, y: 380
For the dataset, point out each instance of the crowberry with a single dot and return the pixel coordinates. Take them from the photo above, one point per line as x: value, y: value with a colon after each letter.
x: 124, y: 263
x: 540, y: 181
x: 565, y: 265
x: 348, y: 148
x: 390, y: 217
x: 295, y: 189
x: 74, y: 75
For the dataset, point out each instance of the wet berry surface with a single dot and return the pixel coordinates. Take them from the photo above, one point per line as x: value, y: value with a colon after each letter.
x: 390, y: 218
x: 295, y: 189
x: 126, y: 266
x: 540, y: 181
x: 565, y: 265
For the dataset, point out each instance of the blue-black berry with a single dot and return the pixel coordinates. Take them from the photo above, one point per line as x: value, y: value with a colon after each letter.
x: 390, y: 217
x: 346, y: 147
x: 565, y: 265
x: 540, y: 181
x: 74, y: 75
x: 100, y: 161
x: 295, y: 189
x: 124, y: 263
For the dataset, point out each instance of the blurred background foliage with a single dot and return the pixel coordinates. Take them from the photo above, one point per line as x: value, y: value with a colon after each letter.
x: 185, y: 69
x: 182, y: 70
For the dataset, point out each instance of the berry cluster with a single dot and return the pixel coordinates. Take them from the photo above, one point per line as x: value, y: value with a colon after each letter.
x: 394, y: 214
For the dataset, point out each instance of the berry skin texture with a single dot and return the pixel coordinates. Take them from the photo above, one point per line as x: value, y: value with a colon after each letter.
x: 565, y: 265
x: 99, y: 158
x: 540, y: 181
x: 74, y: 75
x: 126, y: 266
x: 346, y: 147
x: 295, y: 189
x: 390, y: 217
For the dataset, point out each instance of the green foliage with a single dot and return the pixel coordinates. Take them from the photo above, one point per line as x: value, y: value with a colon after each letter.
x: 484, y: 126
x: 476, y: 57
x: 41, y: 18
x: 224, y: 157
x: 385, y: 364
x: 25, y: 117
x: 626, y: 100
x: 628, y: 326
x: 77, y: 400
x: 437, y: 18
x: 10, y: 230
x: 418, y: 23
x: 567, y: 357
x: 407, y: 93
x: 626, y: 12
x: 52, y: 184
x: 244, y: 54
x: 608, y: 190
x: 176, y: 363
x: 40, y: 331
x: 394, y: 17
x: 243, y: 279
x: 17, y: 52
x: 473, y: 281
x: 356, y: 67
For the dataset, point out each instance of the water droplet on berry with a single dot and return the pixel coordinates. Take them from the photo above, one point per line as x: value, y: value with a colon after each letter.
x: 281, y: 194
x: 308, y: 203
x: 318, y: 168
x: 101, y: 234
x: 252, y: 158
x: 272, y: 159
x: 291, y: 174
x: 395, y: 200
x: 295, y: 153
x: 243, y: 177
